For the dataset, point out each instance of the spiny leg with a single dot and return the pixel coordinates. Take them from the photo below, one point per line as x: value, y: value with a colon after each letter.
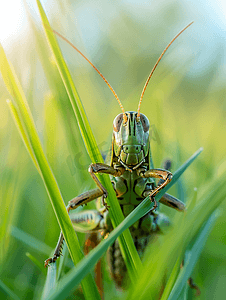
x: 104, y: 169
x: 86, y: 197
x: 166, y: 177
x: 167, y: 199
x: 82, y: 199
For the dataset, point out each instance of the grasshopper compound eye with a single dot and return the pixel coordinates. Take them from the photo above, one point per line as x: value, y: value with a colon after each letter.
x: 117, y: 122
x: 145, y: 122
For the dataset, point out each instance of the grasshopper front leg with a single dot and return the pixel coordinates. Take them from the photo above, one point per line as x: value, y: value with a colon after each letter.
x: 165, y: 176
x: 86, y: 197
x: 167, y: 199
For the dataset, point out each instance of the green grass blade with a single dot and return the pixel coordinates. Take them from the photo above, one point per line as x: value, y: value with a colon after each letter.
x: 50, y: 281
x: 192, y: 203
x: 172, y: 278
x: 8, y: 291
x: 30, y: 240
x: 179, y: 172
x: 21, y: 129
x: 36, y: 262
x: 76, y: 103
x: 44, y: 169
x: 185, y: 293
x: 36, y: 244
x: 75, y: 275
x: 128, y: 250
x: 8, y: 196
x: 192, y: 258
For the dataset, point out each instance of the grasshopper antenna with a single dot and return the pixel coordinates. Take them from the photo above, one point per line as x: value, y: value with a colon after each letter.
x: 152, y: 71
x: 101, y: 75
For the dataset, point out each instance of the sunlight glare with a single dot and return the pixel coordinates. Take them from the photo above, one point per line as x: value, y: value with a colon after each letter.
x: 12, y: 21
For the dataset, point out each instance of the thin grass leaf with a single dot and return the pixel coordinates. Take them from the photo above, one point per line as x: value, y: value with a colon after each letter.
x: 48, y: 178
x: 74, y: 276
x: 36, y: 262
x: 173, y: 276
x: 179, y: 172
x: 127, y: 247
x: 192, y: 258
x: 192, y: 204
x: 185, y: 166
x: 50, y: 281
x: 8, y: 195
x: 22, y: 132
x: 36, y: 244
x: 76, y: 103
x: 30, y: 241
x: 8, y: 291
x: 185, y: 294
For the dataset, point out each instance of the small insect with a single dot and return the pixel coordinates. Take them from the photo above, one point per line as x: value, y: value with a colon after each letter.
x: 132, y: 176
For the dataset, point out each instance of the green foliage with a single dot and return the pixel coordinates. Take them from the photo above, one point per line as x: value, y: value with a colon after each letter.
x: 185, y: 113
x: 25, y: 124
x: 127, y: 246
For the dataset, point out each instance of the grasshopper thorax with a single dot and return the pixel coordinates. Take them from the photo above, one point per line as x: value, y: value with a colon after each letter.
x: 131, y: 139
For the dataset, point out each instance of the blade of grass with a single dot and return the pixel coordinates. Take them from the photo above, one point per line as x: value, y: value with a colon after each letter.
x: 179, y: 172
x: 35, y: 244
x: 50, y: 281
x: 8, y: 291
x: 185, y: 293
x: 9, y: 182
x: 173, y: 276
x: 22, y: 132
x: 15, y: 89
x: 74, y: 276
x: 36, y: 262
x: 127, y: 247
x: 192, y: 258
x: 30, y: 240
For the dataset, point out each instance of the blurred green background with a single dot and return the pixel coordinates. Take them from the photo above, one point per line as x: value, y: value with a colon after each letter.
x: 184, y: 102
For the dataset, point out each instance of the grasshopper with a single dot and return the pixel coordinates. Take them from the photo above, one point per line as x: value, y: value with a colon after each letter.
x: 133, y: 179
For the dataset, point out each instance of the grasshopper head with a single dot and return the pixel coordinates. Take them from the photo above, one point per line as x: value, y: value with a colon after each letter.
x: 131, y: 129
x: 131, y: 139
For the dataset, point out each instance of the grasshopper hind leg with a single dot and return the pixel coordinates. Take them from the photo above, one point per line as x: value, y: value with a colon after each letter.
x: 81, y: 219
x: 57, y: 252
x: 87, y: 221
